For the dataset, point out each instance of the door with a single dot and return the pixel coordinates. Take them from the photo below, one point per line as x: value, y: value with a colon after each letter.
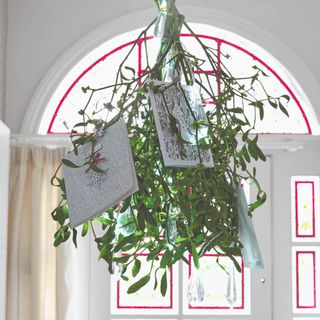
x: 289, y: 285
x: 4, y: 182
x: 295, y: 233
x: 108, y: 298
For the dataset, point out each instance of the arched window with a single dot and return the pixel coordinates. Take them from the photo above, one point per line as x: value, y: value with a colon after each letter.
x: 98, y: 68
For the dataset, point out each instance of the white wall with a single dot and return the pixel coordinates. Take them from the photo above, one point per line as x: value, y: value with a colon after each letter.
x: 40, y: 31
x: 3, y: 36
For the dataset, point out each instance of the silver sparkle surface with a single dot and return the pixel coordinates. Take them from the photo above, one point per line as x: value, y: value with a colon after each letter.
x: 84, y: 199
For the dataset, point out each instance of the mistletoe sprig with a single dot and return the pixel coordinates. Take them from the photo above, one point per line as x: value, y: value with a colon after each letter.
x: 200, y: 200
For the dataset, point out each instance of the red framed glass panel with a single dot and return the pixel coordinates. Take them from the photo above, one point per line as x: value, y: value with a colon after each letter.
x: 305, y: 194
x: 67, y: 104
x: 146, y: 300
x: 215, y: 281
x: 305, y: 261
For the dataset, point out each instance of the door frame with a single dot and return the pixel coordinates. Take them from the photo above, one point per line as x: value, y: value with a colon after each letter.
x: 4, y: 194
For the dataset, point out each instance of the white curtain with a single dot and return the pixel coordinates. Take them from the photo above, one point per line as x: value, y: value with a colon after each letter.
x: 39, y: 275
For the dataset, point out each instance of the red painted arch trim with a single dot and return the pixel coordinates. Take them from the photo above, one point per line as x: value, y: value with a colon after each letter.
x: 218, y: 40
x: 80, y: 77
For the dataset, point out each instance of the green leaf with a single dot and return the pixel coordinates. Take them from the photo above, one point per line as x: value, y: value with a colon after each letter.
x: 260, y: 153
x: 199, y: 238
x: 85, y: 229
x: 136, y: 267
x: 166, y: 258
x: 252, y: 150
x: 254, y: 171
x: 258, y: 104
x: 139, y: 284
x: 235, y: 110
x: 195, y: 256
x: 261, y: 112
x: 164, y: 284
x: 74, y: 237
x: 235, y: 262
x: 69, y: 163
x: 181, y: 239
x: 261, y: 199
x: 245, y: 136
x: 273, y: 104
x: 60, y: 214
x: 103, y: 251
x: 254, y: 78
x: 122, y: 259
x: 283, y: 109
x: 245, y: 153
x: 62, y: 235
x: 96, y: 169
x: 285, y: 96
x: 131, y: 69
x: 125, y: 241
x: 125, y: 278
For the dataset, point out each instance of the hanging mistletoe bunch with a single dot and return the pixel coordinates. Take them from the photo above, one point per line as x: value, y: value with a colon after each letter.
x: 177, y: 210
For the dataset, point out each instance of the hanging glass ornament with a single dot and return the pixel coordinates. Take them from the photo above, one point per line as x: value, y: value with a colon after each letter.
x: 172, y: 230
x: 126, y: 224
x: 231, y: 294
x: 193, y: 134
x: 161, y: 20
x: 195, y: 291
x: 117, y: 267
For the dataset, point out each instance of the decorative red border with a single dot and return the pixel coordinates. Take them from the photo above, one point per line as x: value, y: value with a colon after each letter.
x: 119, y: 306
x: 297, y: 213
x: 298, y: 306
x: 220, y: 307
x: 219, y: 42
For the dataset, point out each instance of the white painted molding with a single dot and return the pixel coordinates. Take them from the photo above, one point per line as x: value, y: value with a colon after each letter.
x: 4, y: 195
x: 244, y: 28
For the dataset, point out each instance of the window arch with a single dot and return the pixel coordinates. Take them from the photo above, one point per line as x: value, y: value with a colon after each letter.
x: 99, y: 66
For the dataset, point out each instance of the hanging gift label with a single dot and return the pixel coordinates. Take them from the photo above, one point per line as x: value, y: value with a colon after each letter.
x: 90, y: 193
x: 176, y: 108
x: 251, y: 251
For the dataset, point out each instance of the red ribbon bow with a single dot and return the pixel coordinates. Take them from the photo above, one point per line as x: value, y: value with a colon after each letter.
x: 96, y: 159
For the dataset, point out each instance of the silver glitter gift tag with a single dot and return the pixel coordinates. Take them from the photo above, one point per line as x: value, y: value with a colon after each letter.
x: 90, y: 193
x: 173, y: 101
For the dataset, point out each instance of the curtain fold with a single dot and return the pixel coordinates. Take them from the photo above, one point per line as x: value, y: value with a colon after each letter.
x: 37, y: 288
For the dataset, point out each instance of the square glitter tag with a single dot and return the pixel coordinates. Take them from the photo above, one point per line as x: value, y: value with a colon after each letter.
x: 90, y: 193
x: 181, y: 103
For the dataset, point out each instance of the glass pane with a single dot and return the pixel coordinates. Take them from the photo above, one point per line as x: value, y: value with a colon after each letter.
x: 305, y: 263
x: 99, y: 68
x: 214, y: 274
x: 305, y: 208
x: 146, y: 300
x: 240, y: 65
